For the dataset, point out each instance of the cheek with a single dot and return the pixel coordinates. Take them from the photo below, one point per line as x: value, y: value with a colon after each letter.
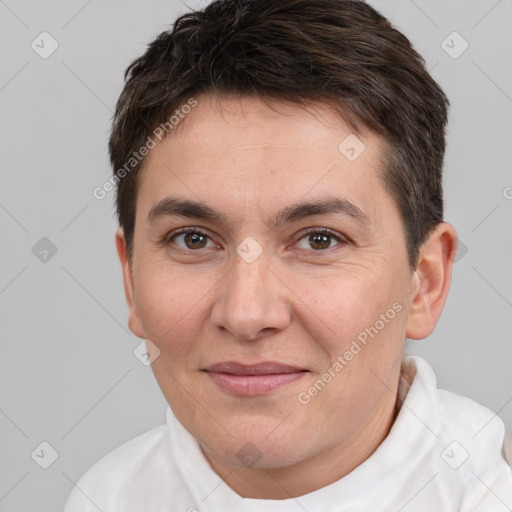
x: 344, y: 303
x: 171, y: 305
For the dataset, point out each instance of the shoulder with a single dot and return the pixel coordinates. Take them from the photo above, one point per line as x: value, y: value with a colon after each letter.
x: 469, y: 448
x: 125, y: 474
x: 456, y: 413
x: 459, y: 418
x: 474, y: 453
x: 481, y: 429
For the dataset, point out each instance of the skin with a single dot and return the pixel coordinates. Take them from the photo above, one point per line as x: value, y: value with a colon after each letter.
x: 300, y: 302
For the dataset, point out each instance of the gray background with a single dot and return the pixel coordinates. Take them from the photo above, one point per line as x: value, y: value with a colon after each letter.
x: 68, y: 373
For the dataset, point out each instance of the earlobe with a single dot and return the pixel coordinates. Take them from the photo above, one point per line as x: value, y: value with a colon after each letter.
x: 134, y: 322
x: 431, y: 281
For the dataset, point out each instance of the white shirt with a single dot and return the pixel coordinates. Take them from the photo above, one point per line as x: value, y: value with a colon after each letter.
x: 444, y: 453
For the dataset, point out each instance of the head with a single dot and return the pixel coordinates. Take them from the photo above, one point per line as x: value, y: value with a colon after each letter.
x: 302, y: 143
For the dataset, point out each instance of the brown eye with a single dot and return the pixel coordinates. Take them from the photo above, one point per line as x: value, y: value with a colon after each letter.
x: 195, y: 240
x: 320, y: 240
x: 190, y: 240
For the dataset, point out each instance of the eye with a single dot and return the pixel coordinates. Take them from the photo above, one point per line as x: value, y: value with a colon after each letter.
x: 189, y: 239
x: 320, y: 240
x: 193, y: 239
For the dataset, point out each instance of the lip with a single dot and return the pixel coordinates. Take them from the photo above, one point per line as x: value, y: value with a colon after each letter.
x: 264, y: 368
x: 250, y: 380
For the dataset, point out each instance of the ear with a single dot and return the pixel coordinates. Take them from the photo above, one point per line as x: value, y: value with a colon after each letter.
x: 134, y: 320
x: 431, y: 281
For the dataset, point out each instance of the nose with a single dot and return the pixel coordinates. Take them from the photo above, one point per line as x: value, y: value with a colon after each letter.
x: 251, y: 300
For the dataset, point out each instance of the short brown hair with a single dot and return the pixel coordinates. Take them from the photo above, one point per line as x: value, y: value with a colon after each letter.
x: 340, y: 51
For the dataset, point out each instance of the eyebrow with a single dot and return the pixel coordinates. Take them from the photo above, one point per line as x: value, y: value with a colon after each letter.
x: 173, y: 206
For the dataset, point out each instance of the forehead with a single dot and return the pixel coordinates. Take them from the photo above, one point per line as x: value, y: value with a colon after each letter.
x: 251, y: 122
x: 264, y: 153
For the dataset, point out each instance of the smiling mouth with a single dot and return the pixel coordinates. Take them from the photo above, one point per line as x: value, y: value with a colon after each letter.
x: 251, y: 380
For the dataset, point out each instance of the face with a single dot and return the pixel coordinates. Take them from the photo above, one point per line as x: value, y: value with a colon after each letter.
x: 294, y: 254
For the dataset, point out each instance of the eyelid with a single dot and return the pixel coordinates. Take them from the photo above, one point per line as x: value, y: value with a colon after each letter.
x: 341, y: 239
x: 180, y: 231
x: 327, y: 231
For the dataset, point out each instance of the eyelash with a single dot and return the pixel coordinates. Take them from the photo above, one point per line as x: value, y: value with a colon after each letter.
x: 320, y: 231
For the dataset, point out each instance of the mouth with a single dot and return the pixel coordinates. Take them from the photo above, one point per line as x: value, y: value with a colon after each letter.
x: 252, y: 380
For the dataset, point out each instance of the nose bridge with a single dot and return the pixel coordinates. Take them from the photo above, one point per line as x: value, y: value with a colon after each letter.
x: 251, y: 299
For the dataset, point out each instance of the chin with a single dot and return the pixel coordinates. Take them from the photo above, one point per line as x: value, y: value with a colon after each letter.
x: 258, y: 452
